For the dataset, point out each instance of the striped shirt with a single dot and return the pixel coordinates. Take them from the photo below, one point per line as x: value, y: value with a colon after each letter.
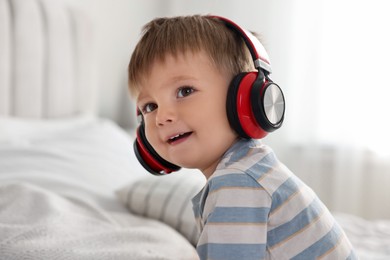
x: 253, y: 207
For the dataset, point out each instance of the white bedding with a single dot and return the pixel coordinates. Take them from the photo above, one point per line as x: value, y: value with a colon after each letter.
x: 80, y: 157
x: 39, y: 224
x: 57, y: 194
x: 371, y: 239
x: 58, y: 185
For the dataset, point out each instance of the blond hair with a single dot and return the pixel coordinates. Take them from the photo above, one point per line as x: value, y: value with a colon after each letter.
x: 176, y: 35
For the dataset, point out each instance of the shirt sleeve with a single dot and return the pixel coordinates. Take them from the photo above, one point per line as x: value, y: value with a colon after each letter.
x: 234, y: 216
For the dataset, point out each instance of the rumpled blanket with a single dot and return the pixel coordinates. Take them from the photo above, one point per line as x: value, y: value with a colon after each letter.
x: 36, y: 223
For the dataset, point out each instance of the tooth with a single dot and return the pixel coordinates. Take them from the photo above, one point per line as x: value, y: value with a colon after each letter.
x: 174, y: 136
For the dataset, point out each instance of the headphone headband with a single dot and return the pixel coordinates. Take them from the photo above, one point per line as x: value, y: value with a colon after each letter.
x: 257, y: 50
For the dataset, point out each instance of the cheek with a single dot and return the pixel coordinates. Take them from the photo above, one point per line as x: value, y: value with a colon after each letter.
x: 151, y: 135
x: 214, y: 120
x: 217, y: 112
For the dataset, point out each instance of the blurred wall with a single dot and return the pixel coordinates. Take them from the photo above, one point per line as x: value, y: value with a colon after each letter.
x: 117, y: 25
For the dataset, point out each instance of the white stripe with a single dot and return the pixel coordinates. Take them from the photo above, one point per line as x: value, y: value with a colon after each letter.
x: 234, y: 234
x: 237, y: 197
x: 305, y: 237
x: 273, y: 181
x: 291, y: 207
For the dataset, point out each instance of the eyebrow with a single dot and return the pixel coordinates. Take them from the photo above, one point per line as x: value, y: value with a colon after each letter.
x: 182, y: 77
x: 139, y: 98
x: 172, y: 80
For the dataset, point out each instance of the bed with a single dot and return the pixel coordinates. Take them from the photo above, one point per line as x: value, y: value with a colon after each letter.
x: 70, y: 185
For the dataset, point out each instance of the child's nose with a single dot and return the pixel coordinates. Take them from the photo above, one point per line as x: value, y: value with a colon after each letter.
x: 165, y: 115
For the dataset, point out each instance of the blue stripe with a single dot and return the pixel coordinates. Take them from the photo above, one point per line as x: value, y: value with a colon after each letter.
x: 284, y: 192
x: 265, y: 165
x: 232, y: 180
x: 322, y: 246
x: 304, y: 218
x: 240, y: 152
x: 232, y: 251
x: 238, y: 215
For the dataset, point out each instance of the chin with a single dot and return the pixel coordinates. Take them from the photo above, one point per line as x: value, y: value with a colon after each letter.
x: 186, y: 164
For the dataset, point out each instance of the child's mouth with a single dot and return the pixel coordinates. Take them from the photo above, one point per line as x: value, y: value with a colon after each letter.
x: 178, y: 137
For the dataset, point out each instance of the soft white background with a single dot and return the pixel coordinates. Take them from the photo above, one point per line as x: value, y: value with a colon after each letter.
x: 330, y: 58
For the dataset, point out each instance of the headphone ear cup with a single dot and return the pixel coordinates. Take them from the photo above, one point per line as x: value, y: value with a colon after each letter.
x: 148, y: 157
x: 239, y: 108
x: 268, y: 105
x: 231, y: 106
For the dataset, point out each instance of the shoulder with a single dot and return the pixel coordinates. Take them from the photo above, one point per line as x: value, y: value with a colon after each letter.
x: 249, y: 163
x: 248, y: 156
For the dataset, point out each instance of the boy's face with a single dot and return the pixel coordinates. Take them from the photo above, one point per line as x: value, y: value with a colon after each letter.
x: 183, y: 102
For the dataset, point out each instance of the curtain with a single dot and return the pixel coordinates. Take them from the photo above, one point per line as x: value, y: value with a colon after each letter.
x: 336, y: 132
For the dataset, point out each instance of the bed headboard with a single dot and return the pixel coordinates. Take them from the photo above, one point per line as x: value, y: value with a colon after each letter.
x: 46, y: 59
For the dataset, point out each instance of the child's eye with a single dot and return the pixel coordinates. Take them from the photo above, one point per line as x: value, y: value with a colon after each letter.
x: 185, y: 91
x: 149, y: 107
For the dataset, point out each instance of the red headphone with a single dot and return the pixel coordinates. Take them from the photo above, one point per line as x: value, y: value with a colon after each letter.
x: 255, y: 105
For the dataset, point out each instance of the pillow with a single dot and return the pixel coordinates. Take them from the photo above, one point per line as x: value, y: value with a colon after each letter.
x: 167, y: 199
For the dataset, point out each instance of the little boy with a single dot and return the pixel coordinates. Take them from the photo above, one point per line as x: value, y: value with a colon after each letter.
x: 197, y: 113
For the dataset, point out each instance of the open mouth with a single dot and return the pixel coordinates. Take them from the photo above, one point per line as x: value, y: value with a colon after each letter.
x: 178, y: 137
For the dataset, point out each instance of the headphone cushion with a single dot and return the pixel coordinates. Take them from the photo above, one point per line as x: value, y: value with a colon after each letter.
x: 239, y: 107
x: 231, y: 106
x: 148, y: 157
